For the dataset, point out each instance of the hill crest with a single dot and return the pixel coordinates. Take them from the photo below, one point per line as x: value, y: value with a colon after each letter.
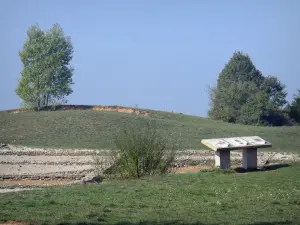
x: 109, y: 108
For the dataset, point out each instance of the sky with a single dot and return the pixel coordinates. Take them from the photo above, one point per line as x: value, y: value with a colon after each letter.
x: 154, y: 54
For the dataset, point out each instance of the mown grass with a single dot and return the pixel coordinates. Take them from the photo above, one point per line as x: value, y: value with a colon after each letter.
x: 96, y: 129
x: 271, y: 197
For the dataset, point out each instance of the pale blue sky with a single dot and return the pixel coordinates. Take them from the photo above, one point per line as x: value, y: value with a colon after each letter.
x: 158, y: 54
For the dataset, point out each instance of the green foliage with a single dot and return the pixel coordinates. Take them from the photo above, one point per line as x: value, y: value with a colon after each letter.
x: 28, y: 105
x: 295, y: 108
x: 99, y: 165
x: 244, y: 95
x: 227, y: 103
x: 253, y: 108
x: 55, y: 105
x: 275, y: 91
x: 46, y: 75
x: 239, y: 69
x: 143, y: 151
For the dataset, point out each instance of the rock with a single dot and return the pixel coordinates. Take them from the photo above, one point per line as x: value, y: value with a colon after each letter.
x: 2, y: 145
x: 96, y: 179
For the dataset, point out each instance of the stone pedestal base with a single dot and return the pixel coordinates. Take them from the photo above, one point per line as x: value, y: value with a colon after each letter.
x: 250, y: 158
x: 222, y: 159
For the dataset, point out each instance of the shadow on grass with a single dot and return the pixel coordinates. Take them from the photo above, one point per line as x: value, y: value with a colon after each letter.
x: 272, y: 223
x: 264, y: 168
x: 101, y: 222
x: 242, y: 170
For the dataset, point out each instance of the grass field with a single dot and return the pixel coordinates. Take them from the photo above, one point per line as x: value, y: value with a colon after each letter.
x: 95, y: 129
x: 271, y: 197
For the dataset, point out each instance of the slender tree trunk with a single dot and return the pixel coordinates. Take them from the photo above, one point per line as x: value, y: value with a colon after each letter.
x: 38, y: 104
x: 38, y: 95
x: 44, y: 101
x: 48, y: 94
x: 47, y: 99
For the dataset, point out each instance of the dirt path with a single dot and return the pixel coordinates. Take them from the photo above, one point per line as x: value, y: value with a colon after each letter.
x: 37, y: 167
x: 45, y: 159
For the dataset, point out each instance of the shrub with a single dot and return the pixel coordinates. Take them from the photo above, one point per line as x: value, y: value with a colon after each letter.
x: 142, y: 151
x: 28, y: 105
x: 98, y: 164
x: 294, y: 111
x: 56, y: 104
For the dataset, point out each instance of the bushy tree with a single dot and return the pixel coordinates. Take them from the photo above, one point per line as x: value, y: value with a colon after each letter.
x: 239, y: 69
x: 294, y: 110
x: 244, y: 95
x: 275, y: 91
x: 47, y: 75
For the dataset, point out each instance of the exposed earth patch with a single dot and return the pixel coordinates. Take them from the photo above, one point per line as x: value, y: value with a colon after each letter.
x: 24, y: 167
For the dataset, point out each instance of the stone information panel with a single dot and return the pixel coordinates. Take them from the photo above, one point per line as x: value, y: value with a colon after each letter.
x: 248, y: 145
x: 255, y: 140
x: 215, y: 143
x: 235, y: 143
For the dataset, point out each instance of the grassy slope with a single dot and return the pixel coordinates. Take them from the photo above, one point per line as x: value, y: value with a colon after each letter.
x: 271, y: 197
x: 95, y: 129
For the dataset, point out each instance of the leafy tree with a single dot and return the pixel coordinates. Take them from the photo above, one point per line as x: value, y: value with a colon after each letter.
x: 253, y: 108
x: 239, y: 69
x: 244, y: 95
x: 46, y: 76
x: 294, y: 110
x: 275, y: 91
x: 227, y: 102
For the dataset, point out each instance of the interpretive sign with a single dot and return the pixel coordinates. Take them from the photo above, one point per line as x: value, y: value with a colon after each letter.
x: 235, y: 143
x: 223, y: 146
x: 255, y: 140
x: 215, y: 143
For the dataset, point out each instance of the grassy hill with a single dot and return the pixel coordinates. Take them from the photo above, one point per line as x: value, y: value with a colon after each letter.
x: 95, y: 129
